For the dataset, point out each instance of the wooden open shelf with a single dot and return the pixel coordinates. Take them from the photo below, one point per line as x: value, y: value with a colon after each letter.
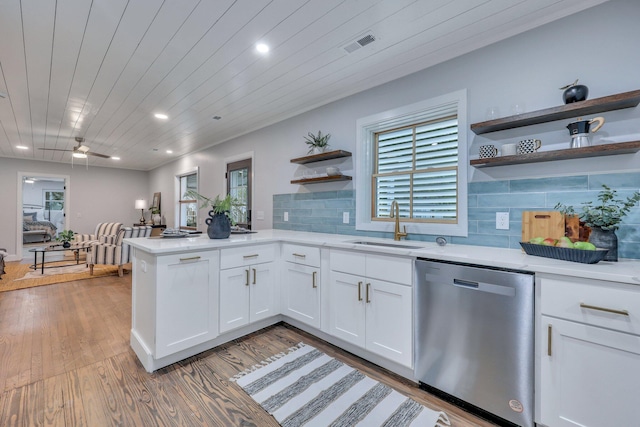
x: 322, y: 179
x: 571, y: 153
x: 328, y: 155
x: 573, y: 110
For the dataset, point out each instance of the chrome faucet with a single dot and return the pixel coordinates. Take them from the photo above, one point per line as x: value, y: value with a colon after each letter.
x: 397, y: 234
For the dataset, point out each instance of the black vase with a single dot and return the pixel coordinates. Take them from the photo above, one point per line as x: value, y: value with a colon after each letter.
x: 575, y: 93
x: 66, y: 244
x: 219, y: 226
x: 605, y: 239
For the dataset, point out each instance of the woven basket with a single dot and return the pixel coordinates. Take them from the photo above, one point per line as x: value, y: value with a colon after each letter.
x: 565, y: 254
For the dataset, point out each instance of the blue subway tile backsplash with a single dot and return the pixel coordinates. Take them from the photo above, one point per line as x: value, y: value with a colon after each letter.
x: 322, y: 211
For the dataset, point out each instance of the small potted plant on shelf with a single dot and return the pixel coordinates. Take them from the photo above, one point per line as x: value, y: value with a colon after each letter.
x: 604, y: 218
x: 317, y: 143
x: 220, y: 218
x: 65, y: 236
x: 156, y: 219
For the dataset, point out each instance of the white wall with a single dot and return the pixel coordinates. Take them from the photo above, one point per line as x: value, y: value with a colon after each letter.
x: 96, y: 195
x: 597, y: 45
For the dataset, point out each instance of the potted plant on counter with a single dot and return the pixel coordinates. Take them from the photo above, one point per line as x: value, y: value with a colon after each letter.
x: 604, y: 217
x: 65, y: 236
x: 219, y: 221
x: 317, y: 143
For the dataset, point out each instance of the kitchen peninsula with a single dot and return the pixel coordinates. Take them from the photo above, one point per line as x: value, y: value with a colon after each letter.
x: 192, y: 294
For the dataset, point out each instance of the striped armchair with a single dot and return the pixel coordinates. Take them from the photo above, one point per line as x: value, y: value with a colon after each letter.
x: 102, y: 229
x: 111, y: 250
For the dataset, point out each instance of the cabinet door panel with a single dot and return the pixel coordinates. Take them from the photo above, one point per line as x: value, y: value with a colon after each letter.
x: 301, y: 298
x: 347, y: 308
x: 261, y: 292
x: 185, y: 314
x: 234, y: 298
x: 591, y: 378
x: 389, y: 320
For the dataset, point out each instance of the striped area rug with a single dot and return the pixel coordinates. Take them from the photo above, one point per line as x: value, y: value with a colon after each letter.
x: 308, y: 388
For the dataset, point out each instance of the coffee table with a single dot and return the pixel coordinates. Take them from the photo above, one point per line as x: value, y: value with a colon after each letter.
x: 76, y: 248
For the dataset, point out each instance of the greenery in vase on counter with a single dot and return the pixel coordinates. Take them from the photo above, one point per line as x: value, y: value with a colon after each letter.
x: 217, y: 205
x: 607, y: 213
x: 317, y: 143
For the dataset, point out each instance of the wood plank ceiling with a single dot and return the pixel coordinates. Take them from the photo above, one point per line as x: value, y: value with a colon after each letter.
x: 100, y: 69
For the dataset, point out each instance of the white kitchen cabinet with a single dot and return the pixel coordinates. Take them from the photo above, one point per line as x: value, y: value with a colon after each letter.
x: 301, y: 283
x: 372, y: 313
x: 247, y: 292
x: 589, y: 353
x: 186, y: 301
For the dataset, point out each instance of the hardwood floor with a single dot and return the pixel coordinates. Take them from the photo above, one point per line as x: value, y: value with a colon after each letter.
x: 65, y: 360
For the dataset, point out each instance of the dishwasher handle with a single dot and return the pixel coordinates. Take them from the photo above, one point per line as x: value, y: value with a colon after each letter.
x: 485, y: 287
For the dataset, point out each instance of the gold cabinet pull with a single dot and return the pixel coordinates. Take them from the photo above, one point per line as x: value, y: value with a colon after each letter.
x: 368, y: 286
x: 247, y: 273
x: 251, y: 256
x: 359, y: 291
x: 313, y: 279
x: 549, y: 331
x: 606, y: 310
x: 254, y: 276
x: 193, y: 258
x: 299, y: 255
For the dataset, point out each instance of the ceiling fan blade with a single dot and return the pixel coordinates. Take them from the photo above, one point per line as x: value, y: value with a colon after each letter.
x: 90, y: 153
x: 53, y: 149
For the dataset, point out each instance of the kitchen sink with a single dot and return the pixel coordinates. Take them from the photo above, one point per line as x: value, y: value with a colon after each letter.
x: 388, y: 245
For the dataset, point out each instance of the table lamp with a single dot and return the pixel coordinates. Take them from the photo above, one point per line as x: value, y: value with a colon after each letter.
x: 142, y: 205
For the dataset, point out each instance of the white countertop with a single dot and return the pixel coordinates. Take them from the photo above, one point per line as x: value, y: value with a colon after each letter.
x: 626, y: 271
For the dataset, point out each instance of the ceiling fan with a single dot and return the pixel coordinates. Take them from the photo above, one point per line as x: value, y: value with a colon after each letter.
x: 79, y: 151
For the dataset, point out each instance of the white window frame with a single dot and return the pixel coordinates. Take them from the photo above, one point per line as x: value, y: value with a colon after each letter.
x: 366, y: 127
x: 178, y: 194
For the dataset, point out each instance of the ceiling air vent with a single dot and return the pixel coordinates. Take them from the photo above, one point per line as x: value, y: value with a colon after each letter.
x: 362, y: 41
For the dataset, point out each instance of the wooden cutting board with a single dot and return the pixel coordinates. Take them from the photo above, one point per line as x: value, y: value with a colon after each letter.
x: 542, y: 224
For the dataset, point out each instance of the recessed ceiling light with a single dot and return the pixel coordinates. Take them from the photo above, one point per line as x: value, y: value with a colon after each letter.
x: 161, y: 116
x: 115, y: 158
x: 169, y: 152
x: 262, y: 48
x: 21, y: 147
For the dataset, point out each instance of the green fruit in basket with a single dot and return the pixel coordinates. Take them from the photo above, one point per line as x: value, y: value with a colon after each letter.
x: 536, y: 240
x: 585, y: 246
x: 550, y: 241
x: 565, y: 242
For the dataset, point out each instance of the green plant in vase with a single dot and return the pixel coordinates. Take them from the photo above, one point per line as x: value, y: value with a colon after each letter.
x: 317, y: 143
x: 220, y: 218
x: 604, y: 218
x: 65, y: 236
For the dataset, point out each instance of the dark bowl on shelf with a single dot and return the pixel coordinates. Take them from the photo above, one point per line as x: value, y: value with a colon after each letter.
x: 565, y: 254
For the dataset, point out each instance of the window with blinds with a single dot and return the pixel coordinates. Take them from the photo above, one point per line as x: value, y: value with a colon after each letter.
x: 417, y: 166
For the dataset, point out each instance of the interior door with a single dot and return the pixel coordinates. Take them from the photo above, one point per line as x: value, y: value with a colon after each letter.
x: 239, y: 186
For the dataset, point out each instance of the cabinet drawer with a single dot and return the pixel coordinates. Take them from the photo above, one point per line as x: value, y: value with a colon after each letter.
x: 247, y: 255
x: 593, y: 302
x: 390, y: 269
x: 301, y: 254
x: 185, y: 257
x: 348, y: 262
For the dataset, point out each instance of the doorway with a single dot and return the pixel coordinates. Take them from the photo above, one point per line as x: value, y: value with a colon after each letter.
x: 41, y: 209
x: 239, y: 187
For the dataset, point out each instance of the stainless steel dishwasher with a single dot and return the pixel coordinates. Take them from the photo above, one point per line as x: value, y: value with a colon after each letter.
x: 474, y: 338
